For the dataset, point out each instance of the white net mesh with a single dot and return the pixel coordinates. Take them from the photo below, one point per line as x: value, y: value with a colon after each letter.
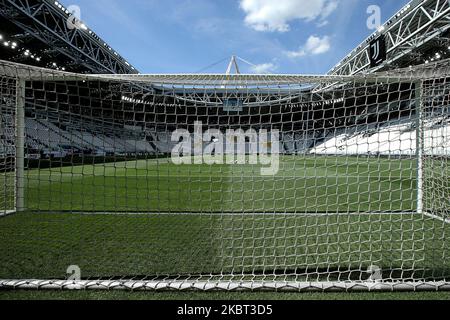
x: 227, y: 182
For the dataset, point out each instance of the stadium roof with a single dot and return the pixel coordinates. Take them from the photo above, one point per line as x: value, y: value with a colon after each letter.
x: 418, y: 33
x: 44, y: 33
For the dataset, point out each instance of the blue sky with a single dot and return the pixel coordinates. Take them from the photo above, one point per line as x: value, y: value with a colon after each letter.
x: 277, y: 36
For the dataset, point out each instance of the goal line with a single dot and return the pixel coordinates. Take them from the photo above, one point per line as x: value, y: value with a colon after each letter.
x: 253, y: 286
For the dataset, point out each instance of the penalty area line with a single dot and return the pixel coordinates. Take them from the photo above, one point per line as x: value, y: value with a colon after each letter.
x: 442, y: 219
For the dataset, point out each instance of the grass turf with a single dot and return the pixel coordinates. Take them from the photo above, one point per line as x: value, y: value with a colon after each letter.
x: 228, y: 296
x: 305, y: 184
x: 272, y: 246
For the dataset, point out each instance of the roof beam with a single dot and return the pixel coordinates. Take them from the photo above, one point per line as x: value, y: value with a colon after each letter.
x: 47, y: 22
x: 415, y: 25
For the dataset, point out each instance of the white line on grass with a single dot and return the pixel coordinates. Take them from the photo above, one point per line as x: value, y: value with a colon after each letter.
x: 445, y: 220
x: 4, y: 213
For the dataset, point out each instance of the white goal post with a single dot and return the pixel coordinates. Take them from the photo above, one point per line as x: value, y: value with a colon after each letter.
x: 225, y: 182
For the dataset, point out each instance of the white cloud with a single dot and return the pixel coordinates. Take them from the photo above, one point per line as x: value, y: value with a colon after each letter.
x: 263, y: 68
x: 328, y: 9
x: 322, y: 23
x: 275, y: 15
x: 313, y: 46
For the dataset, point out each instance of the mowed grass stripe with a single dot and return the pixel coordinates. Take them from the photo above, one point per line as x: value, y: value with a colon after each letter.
x: 214, y: 194
x: 306, y: 184
x: 44, y: 245
x: 338, y: 164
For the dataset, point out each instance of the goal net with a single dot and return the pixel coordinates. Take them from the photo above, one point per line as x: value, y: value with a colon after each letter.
x: 282, y: 182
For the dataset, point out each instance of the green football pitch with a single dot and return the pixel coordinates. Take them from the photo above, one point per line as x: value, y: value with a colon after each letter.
x: 303, y: 184
x: 318, y: 215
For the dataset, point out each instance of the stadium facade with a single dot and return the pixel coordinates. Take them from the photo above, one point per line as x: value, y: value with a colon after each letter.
x: 36, y: 32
